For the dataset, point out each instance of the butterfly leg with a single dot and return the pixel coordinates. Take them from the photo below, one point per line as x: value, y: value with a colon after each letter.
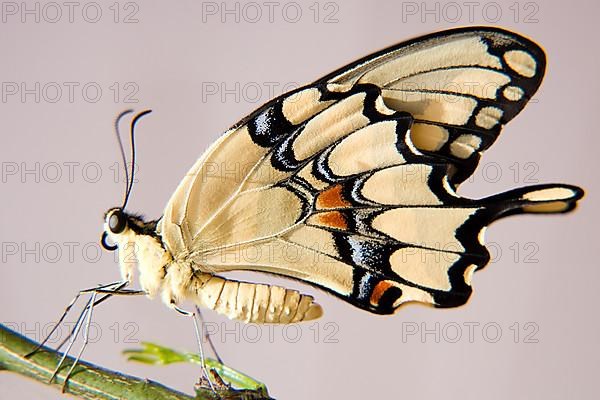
x: 86, y: 331
x: 87, y: 311
x: 72, y: 337
x: 116, y: 288
x: 199, y: 340
x: 102, y: 289
x: 207, y: 335
x: 61, y: 319
x: 86, y: 328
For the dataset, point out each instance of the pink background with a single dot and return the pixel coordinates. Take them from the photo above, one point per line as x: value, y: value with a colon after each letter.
x: 542, y: 285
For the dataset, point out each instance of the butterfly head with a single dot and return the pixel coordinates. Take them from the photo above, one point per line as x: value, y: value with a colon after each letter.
x: 116, y: 225
x: 137, y: 241
x: 120, y: 227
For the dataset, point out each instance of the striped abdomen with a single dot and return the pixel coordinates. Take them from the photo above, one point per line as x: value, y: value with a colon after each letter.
x: 252, y: 302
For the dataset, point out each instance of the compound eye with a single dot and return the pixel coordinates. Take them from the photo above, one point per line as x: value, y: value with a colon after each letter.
x: 117, y: 222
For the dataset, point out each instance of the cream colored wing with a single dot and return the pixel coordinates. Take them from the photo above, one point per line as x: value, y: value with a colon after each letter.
x: 460, y: 85
x: 328, y: 185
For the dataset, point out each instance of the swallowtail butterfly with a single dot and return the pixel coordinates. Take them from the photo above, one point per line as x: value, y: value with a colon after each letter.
x: 349, y: 184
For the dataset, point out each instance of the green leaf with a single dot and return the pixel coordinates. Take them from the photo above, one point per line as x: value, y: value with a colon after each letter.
x: 155, y: 354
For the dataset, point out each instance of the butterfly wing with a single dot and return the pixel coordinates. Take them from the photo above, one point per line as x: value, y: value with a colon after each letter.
x: 347, y: 185
x: 460, y: 85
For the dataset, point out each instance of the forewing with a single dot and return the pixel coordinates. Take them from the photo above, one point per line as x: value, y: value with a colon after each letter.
x: 460, y: 85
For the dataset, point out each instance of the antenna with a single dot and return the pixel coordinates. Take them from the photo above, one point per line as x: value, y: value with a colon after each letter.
x: 117, y: 121
x: 132, y: 176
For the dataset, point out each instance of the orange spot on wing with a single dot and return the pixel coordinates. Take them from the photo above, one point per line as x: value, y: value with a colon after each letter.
x: 332, y: 219
x: 332, y: 198
x: 378, y: 292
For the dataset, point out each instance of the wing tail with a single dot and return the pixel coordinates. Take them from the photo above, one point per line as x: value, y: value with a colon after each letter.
x: 538, y: 199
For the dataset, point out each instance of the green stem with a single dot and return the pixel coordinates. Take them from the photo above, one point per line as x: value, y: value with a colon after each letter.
x: 87, y: 381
